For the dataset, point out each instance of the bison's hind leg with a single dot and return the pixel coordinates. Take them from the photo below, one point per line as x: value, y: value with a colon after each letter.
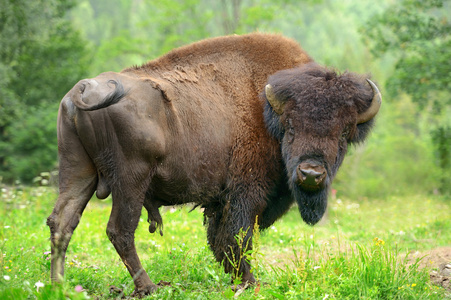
x: 77, y: 183
x: 128, y: 199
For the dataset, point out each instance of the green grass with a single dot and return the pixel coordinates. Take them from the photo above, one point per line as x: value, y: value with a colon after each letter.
x: 359, y: 252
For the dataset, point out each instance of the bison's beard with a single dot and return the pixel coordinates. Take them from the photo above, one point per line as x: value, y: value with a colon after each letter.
x: 312, y: 204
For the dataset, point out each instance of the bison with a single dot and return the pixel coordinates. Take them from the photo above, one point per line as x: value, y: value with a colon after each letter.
x: 241, y: 126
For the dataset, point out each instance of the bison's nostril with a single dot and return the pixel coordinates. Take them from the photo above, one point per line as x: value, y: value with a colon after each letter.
x: 311, y: 176
x: 311, y: 173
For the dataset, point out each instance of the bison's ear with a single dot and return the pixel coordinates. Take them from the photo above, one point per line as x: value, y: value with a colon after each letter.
x: 166, y: 89
x: 362, y: 132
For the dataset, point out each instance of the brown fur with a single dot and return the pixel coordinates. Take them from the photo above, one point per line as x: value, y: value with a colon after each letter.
x: 186, y: 127
x: 320, y: 116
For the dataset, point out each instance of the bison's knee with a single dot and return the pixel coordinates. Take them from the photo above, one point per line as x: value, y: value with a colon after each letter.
x: 51, y: 222
x: 111, y: 233
x: 121, y: 239
x: 58, y: 237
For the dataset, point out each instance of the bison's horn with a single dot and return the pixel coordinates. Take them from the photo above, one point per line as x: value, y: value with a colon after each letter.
x: 276, y: 105
x: 374, y: 107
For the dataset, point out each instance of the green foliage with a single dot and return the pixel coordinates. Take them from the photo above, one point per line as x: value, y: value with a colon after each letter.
x: 418, y: 34
x: 359, y: 272
x: 134, y: 32
x: 47, y: 68
x: 413, y: 30
x: 360, y: 251
x: 384, y: 165
x: 41, y: 57
x: 441, y: 137
x: 32, y: 142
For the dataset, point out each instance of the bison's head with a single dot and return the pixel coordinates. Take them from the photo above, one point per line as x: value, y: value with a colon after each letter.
x: 315, y: 113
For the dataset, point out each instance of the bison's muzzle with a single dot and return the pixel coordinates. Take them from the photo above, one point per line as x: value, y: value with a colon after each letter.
x: 311, y: 176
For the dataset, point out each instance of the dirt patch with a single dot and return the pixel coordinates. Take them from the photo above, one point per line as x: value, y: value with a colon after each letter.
x: 438, y: 261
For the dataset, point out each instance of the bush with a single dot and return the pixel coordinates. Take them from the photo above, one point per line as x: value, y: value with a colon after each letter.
x: 41, y: 58
x: 32, y: 143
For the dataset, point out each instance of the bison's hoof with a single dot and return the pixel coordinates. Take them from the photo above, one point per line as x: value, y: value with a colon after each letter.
x: 243, y: 286
x: 247, y: 280
x: 139, y: 293
x: 238, y: 287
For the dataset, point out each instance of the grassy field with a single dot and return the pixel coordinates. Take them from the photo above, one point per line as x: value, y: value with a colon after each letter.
x: 362, y: 250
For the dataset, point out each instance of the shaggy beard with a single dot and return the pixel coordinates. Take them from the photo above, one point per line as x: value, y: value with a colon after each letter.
x: 312, y: 205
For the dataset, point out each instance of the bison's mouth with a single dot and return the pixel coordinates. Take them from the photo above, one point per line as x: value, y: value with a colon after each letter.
x: 310, y: 184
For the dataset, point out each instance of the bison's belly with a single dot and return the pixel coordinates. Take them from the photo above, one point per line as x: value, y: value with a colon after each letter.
x: 185, y: 183
x: 182, y: 192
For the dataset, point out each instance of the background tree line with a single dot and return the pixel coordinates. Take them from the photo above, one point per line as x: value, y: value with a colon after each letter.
x: 47, y: 46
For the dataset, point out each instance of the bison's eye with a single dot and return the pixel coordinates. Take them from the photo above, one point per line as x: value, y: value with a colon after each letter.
x: 345, y: 134
x: 289, y: 131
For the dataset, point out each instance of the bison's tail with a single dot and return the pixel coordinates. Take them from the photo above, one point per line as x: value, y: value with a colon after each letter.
x: 89, y: 91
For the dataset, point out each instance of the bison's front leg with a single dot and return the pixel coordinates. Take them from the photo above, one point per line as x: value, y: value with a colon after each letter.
x: 121, y: 230
x: 225, y: 223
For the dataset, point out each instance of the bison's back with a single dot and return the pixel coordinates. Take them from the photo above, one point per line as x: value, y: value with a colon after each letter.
x: 263, y: 53
x: 217, y: 118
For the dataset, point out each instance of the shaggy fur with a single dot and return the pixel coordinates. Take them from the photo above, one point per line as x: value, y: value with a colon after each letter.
x: 319, y: 121
x: 190, y: 127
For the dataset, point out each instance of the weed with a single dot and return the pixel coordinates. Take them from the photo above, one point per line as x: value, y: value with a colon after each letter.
x: 253, y: 255
x: 243, y: 245
x: 246, y: 253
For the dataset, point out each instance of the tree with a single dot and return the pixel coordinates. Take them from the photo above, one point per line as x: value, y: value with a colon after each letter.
x: 41, y: 58
x: 135, y: 31
x: 418, y: 34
